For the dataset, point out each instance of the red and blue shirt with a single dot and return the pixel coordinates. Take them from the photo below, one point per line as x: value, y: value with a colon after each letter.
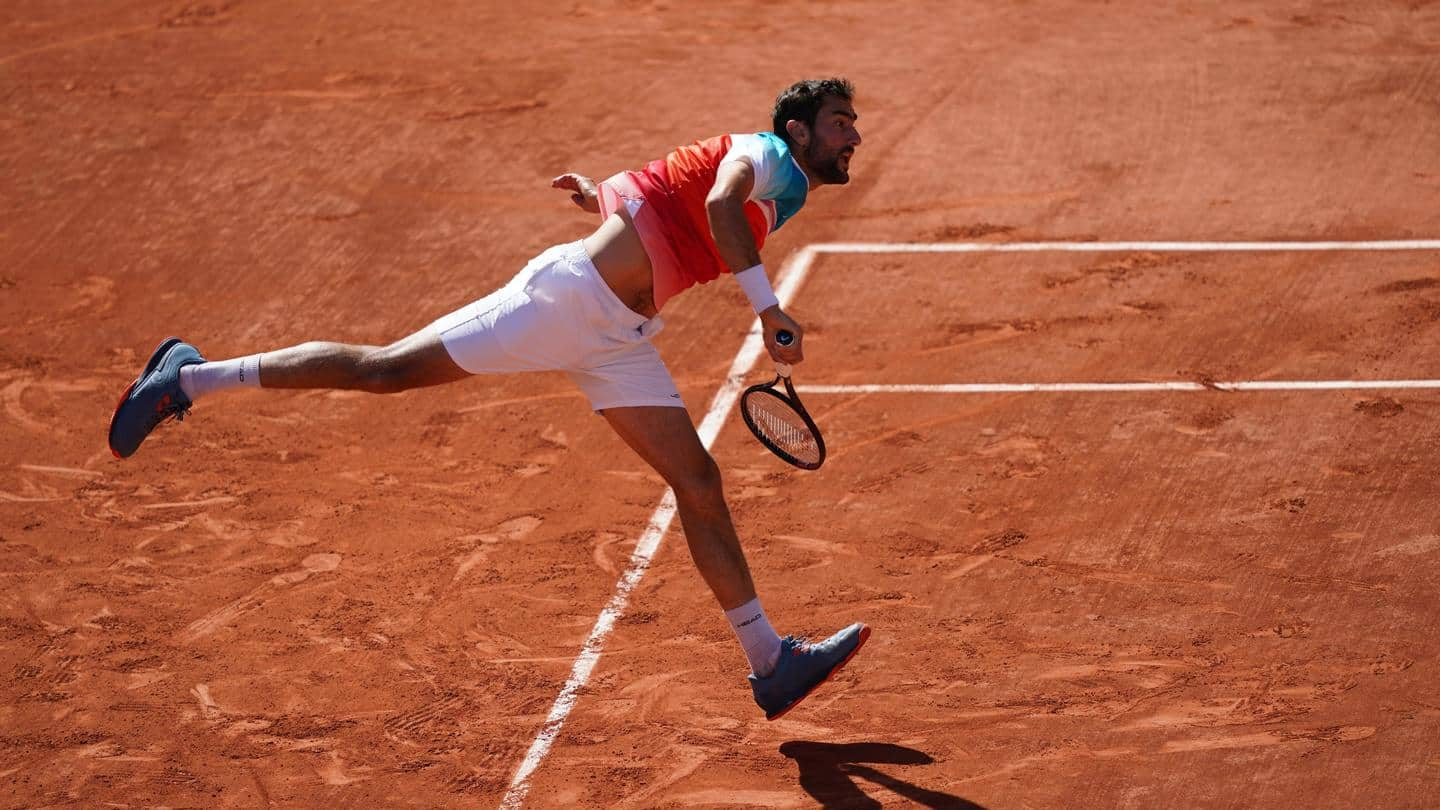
x: 666, y: 201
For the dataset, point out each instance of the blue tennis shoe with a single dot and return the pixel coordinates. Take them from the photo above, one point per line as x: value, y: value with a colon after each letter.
x: 154, y: 397
x: 803, y: 667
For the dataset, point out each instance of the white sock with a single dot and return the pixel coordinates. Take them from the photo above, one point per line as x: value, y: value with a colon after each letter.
x: 200, y: 379
x: 759, y: 640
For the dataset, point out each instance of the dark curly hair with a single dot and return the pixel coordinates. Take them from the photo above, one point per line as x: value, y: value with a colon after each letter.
x: 802, y: 100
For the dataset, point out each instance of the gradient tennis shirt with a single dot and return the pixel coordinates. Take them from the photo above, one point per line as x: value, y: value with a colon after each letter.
x: 666, y: 201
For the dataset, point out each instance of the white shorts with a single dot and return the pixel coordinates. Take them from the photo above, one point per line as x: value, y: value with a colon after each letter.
x: 557, y: 314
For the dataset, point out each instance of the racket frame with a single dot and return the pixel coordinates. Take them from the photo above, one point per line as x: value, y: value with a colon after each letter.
x: 793, y: 402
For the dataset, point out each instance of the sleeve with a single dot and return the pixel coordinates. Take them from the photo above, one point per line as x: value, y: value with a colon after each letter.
x: 766, y: 155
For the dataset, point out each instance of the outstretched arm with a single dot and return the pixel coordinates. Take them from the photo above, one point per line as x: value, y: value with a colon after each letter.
x: 725, y: 206
x: 584, y: 191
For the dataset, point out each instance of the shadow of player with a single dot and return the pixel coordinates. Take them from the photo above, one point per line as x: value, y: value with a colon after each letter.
x: 828, y: 772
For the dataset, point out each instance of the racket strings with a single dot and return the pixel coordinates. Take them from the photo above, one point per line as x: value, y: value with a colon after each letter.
x: 784, y: 427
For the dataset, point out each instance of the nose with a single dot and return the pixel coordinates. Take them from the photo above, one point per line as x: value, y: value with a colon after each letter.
x: 854, y: 137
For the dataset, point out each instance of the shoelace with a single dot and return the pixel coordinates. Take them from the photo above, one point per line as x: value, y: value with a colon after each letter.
x: 175, y: 411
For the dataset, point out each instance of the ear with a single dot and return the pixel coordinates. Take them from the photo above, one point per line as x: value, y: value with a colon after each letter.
x: 799, y: 133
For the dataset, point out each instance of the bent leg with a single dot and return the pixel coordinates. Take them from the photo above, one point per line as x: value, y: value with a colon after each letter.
x: 664, y: 437
x: 416, y: 361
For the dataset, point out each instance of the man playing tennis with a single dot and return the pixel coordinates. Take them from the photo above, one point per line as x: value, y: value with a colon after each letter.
x: 590, y: 309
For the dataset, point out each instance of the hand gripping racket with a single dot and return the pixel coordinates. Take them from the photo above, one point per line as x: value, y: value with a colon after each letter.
x: 778, y: 419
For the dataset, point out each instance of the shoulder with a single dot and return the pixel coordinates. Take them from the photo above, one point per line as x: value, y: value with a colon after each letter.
x: 773, y: 143
x: 769, y: 155
x: 755, y: 147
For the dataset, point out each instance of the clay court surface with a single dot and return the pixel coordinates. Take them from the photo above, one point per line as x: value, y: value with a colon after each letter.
x: 1147, y: 599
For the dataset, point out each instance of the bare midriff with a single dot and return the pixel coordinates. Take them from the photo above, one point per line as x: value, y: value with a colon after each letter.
x: 619, y: 257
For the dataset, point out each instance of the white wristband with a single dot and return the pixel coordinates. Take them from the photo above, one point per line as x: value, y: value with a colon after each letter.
x: 757, y: 288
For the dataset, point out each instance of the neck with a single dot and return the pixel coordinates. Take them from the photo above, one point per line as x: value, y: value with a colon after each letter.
x: 810, y: 177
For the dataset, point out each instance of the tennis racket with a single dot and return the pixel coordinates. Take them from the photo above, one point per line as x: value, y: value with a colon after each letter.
x: 778, y: 419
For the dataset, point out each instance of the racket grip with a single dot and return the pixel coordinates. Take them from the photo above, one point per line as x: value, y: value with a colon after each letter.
x: 784, y: 337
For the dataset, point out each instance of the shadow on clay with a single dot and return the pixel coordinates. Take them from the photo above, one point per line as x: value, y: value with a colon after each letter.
x: 828, y: 772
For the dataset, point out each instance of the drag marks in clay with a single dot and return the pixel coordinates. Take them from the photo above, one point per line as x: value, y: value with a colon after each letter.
x: 229, y: 613
x: 469, y: 552
x: 40, y: 405
x: 418, y: 721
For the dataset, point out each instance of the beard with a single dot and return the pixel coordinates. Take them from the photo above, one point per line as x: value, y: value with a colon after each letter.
x: 825, y: 163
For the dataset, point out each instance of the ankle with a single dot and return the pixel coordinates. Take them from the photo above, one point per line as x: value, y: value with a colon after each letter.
x: 202, y: 379
x: 757, y: 638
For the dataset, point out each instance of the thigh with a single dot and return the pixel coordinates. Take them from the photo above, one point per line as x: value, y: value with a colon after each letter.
x: 634, y: 376
x: 533, y: 323
x: 665, y: 439
x: 472, y: 335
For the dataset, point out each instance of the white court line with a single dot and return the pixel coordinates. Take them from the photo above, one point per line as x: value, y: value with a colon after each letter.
x: 724, y: 401
x: 1109, y: 247
x: 792, y: 275
x: 1026, y: 388
x: 1106, y: 247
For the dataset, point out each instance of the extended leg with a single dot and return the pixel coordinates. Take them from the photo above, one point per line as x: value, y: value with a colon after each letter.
x: 667, y: 441
x: 417, y: 361
x: 176, y: 375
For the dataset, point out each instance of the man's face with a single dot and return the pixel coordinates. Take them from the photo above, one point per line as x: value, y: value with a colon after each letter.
x: 831, y: 141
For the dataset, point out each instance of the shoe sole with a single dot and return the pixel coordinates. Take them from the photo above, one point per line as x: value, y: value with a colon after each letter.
x: 864, y: 636
x: 155, y: 357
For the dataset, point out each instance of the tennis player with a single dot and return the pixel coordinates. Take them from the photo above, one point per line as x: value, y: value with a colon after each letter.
x: 590, y: 309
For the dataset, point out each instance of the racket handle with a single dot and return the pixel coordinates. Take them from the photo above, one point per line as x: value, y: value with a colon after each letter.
x: 784, y: 337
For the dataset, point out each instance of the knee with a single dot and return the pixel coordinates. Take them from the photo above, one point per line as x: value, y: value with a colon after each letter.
x: 379, y: 372
x: 699, y: 482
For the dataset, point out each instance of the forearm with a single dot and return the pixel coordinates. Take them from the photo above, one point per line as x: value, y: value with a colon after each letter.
x: 735, y: 242
x: 731, y: 232
x: 736, y: 246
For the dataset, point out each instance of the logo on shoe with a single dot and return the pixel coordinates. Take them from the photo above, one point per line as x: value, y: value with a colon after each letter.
x: 163, y: 403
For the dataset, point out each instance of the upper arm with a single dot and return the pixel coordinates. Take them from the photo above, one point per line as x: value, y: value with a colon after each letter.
x: 734, y: 181
x: 768, y: 159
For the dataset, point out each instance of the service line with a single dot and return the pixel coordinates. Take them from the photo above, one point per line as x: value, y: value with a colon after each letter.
x: 1101, y: 388
x: 1111, y: 247
x: 792, y: 275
